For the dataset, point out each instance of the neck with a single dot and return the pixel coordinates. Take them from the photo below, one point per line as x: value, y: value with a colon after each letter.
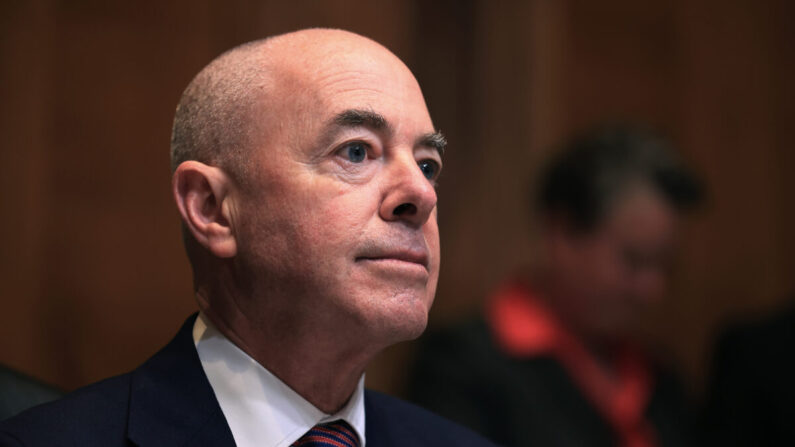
x: 323, y: 369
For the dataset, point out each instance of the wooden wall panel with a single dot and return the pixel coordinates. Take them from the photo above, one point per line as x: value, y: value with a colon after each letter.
x: 94, y: 278
x: 739, y: 265
x: 25, y: 38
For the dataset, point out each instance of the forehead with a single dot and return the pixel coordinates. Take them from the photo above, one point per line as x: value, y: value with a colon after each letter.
x: 643, y: 214
x: 349, y: 77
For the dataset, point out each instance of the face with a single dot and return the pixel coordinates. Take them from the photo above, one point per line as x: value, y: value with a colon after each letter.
x: 338, y: 222
x: 621, y: 268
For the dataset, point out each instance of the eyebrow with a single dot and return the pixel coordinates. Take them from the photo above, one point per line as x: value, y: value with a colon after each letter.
x: 367, y: 118
x: 376, y: 121
x: 435, y: 140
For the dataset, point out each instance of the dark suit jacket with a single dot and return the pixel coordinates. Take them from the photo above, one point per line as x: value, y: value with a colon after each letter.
x: 168, y: 401
x: 462, y: 375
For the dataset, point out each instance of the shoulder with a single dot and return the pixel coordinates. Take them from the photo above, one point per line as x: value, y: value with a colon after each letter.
x: 98, y: 411
x: 167, y: 397
x: 19, y: 392
x: 749, y: 392
x: 765, y: 341
x: 407, y: 424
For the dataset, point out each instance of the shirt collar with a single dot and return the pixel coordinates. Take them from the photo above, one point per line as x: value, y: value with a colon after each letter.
x: 260, y: 409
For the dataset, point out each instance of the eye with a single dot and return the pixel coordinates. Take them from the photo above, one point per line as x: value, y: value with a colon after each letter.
x: 355, y: 152
x: 430, y: 168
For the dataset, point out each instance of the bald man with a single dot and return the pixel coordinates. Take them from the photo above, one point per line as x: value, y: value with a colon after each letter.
x: 304, y: 169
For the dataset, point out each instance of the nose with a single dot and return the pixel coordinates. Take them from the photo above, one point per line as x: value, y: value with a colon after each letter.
x: 409, y: 197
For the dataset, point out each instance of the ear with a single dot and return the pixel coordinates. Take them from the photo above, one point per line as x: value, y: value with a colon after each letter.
x: 202, y: 194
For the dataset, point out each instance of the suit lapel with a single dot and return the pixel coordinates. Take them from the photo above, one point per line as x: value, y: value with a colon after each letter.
x: 381, y: 430
x: 172, y: 402
x: 374, y: 423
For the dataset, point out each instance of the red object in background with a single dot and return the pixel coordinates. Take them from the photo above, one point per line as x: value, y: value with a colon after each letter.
x: 525, y: 327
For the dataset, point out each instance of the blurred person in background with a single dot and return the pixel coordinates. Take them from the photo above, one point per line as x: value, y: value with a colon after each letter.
x: 553, y: 363
x: 751, y: 391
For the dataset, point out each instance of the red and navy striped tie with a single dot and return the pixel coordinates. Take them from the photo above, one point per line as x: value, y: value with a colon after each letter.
x: 333, y: 434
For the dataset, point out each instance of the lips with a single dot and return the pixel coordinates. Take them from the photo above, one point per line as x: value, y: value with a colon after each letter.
x: 413, y: 257
x: 416, y: 254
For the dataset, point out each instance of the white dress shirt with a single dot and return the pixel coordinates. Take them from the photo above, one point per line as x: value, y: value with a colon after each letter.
x: 261, y: 410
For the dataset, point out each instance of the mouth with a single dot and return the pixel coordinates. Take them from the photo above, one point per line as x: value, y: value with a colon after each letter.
x: 397, y: 257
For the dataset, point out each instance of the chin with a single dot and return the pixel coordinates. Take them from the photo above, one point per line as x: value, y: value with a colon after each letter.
x: 405, y: 330
x: 415, y: 328
x: 400, y: 319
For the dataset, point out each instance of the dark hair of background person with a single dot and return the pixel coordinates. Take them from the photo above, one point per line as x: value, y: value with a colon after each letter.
x: 591, y: 172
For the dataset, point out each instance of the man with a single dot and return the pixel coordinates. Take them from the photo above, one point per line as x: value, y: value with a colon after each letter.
x: 304, y: 171
x: 552, y: 365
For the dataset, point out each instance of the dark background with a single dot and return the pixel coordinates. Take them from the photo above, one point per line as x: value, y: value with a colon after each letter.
x: 93, y: 278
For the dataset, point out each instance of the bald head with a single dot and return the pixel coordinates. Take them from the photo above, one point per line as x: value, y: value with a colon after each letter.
x: 240, y: 97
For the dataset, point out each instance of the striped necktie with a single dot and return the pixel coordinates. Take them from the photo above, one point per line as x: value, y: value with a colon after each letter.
x: 333, y: 434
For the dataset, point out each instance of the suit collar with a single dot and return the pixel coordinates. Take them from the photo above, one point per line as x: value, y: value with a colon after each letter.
x: 171, y: 400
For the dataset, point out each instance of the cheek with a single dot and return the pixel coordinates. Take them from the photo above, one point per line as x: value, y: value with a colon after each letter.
x: 340, y: 215
x: 609, y: 268
x: 650, y: 286
x: 331, y: 225
x: 292, y: 222
x: 327, y: 224
x: 431, y: 233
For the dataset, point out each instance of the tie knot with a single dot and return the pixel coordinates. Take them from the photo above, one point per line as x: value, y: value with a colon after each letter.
x: 334, y: 434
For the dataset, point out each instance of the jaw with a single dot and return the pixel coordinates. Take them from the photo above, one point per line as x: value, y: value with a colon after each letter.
x: 383, y: 318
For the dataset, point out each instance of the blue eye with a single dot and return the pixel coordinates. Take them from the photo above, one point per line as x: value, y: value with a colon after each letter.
x: 355, y: 152
x: 429, y: 168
